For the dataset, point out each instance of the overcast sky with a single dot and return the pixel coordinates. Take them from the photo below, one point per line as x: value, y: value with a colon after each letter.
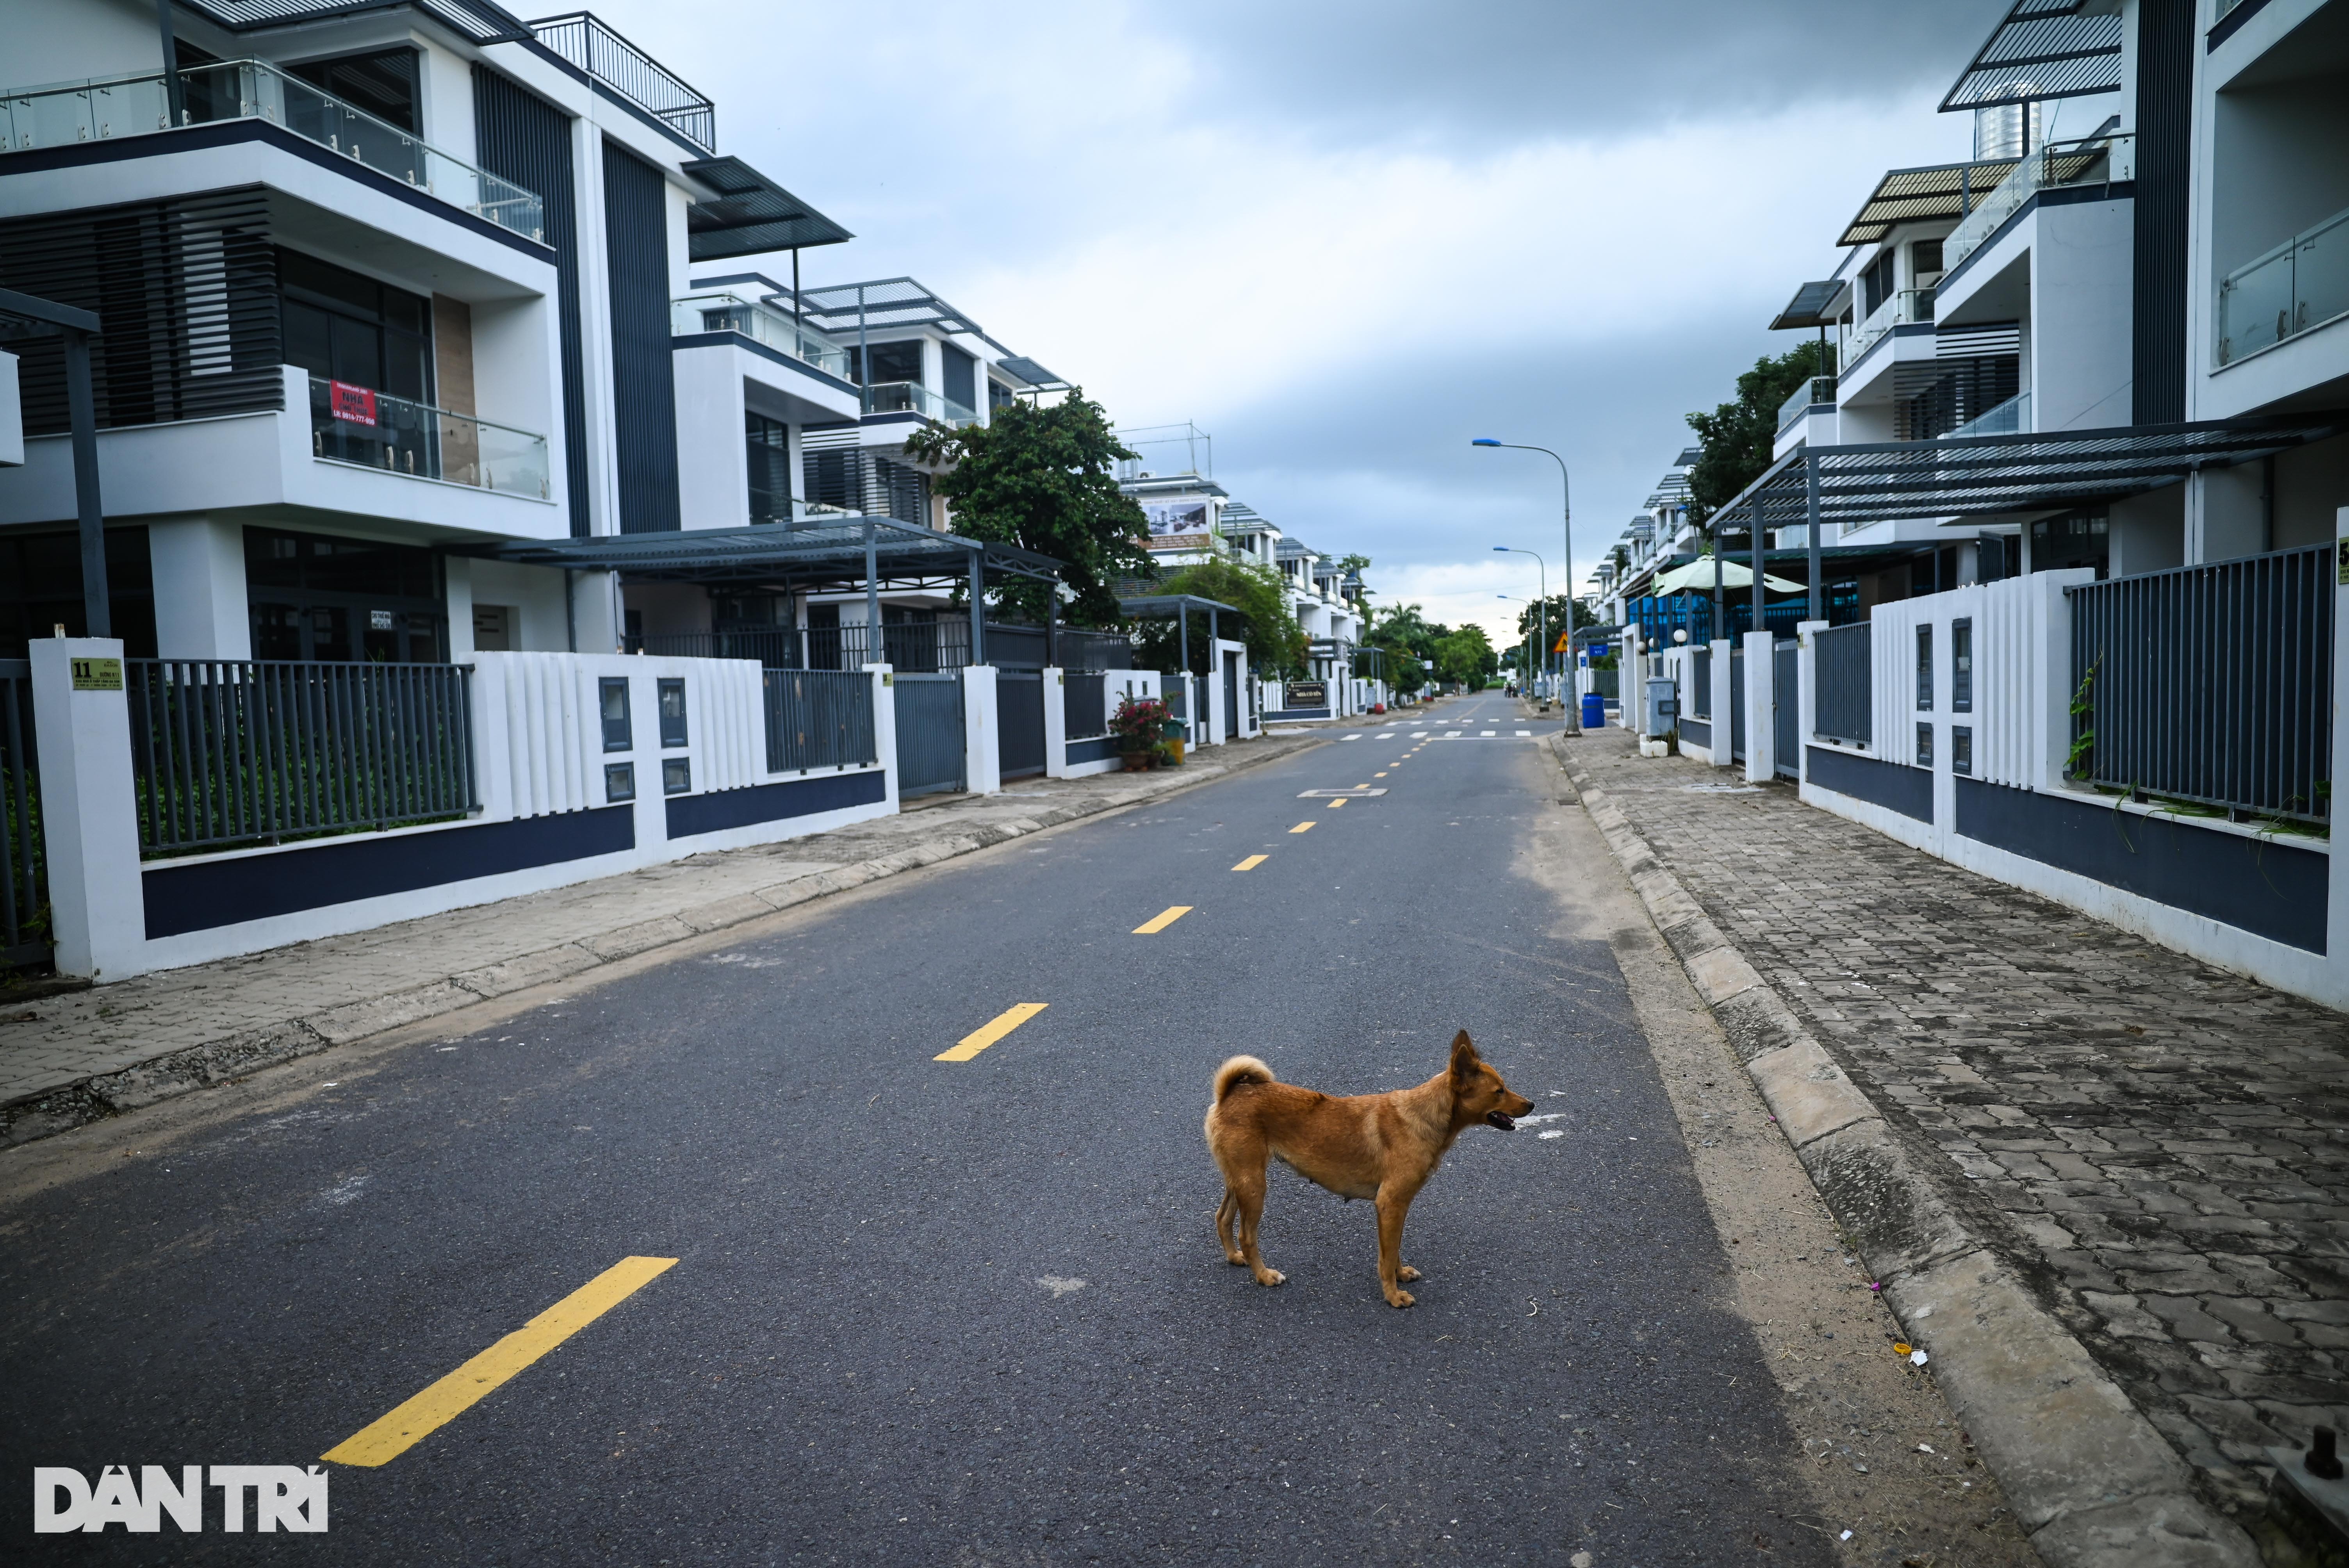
x: 1345, y: 238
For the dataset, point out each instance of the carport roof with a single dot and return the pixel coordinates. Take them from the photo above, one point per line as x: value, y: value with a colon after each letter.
x: 1978, y: 475
x: 1164, y: 606
x: 811, y: 555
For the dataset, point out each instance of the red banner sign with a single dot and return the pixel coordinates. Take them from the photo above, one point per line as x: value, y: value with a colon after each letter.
x: 356, y: 404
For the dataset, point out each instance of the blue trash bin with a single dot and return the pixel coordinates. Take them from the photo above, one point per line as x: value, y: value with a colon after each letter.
x: 1594, y: 711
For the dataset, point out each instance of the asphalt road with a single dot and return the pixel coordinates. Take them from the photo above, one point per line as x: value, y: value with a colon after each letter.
x: 962, y: 1312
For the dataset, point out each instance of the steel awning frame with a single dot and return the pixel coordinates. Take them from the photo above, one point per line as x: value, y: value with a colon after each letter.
x: 1168, y: 607
x: 751, y: 216
x: 1922, y: 194
x: 2041, y: 49
x: 1979, y: 476
x: 826, y: 556
x: 882, y: 305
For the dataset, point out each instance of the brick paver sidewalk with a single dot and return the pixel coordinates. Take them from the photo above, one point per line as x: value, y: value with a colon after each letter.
x: 75, y: 1058
x: 2160, y: 1147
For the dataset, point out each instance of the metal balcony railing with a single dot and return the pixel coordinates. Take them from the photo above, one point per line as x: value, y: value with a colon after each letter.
x: 356, y: 425
x: 2297, y: 287
x: 1816, y: 389
x: 583, y: 39
x: 726, y: 310
x: 2098, y: 159
x: 254, y: 90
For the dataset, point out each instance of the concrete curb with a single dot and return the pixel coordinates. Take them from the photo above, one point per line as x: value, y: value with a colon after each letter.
x: 2091, y: 1480
x: 236, y: 1056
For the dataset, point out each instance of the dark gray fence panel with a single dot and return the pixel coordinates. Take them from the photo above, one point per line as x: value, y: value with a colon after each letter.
x: 1020, y: 723
x: 1786, y: 710
x: 2212, y: 684
x: 226, y: 751
x: 1841, y: 706
x: 775, y: 647
x: 1088, y: 706
x: 929, y: 733
x: 24, y: 875
x: 1737, y: 703
x: 818, y: 719
x: 1701, y: 685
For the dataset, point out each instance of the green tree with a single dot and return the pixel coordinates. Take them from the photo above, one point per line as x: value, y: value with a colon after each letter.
x: 1276, y: 643
x: 1353, y: 565
x: 1558, y: 606
x: 1466, y: 656
x: 1736, y: 438
x: 1409, y: 641
x: 1043, y: 479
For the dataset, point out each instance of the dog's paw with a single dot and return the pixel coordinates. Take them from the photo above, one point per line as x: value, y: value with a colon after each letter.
x: 1271, y: 1278
x: 1407, y: 1271
x: 1400, y: 1298
x: 1236, y: 1260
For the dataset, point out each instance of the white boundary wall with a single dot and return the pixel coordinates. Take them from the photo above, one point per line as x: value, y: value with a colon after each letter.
x: 538, y: 754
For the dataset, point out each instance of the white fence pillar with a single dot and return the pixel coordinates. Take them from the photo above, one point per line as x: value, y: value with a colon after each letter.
x: 1056, y: 723
x: 982, y: 742
x: 1761, y: 663
x: 89, y: 806
x: 1807, y: 697
x: 1719, y: 696
x: 885, y: 728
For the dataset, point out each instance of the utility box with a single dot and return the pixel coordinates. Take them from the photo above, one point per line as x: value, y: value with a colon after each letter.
x: 1663, y: 714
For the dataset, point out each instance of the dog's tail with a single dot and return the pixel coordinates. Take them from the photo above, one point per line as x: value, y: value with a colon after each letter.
x: 1238, y: 1071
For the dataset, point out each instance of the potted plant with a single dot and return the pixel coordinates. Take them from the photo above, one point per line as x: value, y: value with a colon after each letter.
x: 1138, y: 724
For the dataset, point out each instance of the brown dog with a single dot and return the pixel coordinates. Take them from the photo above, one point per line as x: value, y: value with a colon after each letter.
x: 1382, y: 1147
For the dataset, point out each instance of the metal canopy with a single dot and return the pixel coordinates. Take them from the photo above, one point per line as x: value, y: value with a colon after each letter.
x: 1981, y: 475
x: 2042, y: 49
x: 1808, y: 307
x: 477, y: 21
x: 1166, y: 607
x: 812, y: 556
x: 881, y: 306
x: 1039, y: 379
x: 751, y: 215
x: 1922, y: 194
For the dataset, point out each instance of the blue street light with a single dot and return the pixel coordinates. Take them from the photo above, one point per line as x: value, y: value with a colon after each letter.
x: 1484, y: 441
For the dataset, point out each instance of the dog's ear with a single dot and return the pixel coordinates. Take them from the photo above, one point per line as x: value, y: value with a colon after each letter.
x: 1464, y: 1059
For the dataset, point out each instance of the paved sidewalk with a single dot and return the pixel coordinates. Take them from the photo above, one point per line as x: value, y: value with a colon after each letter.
x: 2158, y: 1148
x: 76, y: 1057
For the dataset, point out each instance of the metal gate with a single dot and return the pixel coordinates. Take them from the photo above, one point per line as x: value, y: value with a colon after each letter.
x: 1019, y: 722
x: 930, y: 743
x: 1231, y: 697
x: 1737, y: 704
x: 1785, y: 711
x: 24, y: 880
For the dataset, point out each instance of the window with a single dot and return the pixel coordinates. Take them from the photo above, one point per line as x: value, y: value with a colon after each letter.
x: 315, y: 597
x: 1925, y: 669
x: 960, y: 375
x: 2080, y: 539
x: 672, y: 712
x: 383, y: 83
x: 1961, y: 749
x: 768, y: 445
x: 998, y: 396
x: 891, y: 362
x: 677, y: 776
x: 345, y: 326
x: 1925, y: 258
x: 1924, y: 744
x: 1961, y: 666
x: 614, y: 701
x: 619, y: 781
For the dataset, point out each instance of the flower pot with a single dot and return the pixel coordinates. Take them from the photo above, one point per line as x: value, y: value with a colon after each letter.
x: 1135, y: 761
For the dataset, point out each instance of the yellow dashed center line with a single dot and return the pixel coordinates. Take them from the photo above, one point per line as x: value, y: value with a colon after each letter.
x: 408, y: 1424
x: 1302, y: 828
x: 1335, y: 804
x: 1378, y: 775
x: 994, y: 1029
x: 1251, y: 863
x: 1159, y: 923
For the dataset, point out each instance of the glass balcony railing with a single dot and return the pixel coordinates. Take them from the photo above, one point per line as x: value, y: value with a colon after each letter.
x: 2012, y: 418
x: 354, y: 425
x: 252, y: 89
x: 2087, y: 161
x: 2297, y: 287
x: 725, y: 310
x: 1903, y: 309
x: 903, y: 396
x: 1817, y: 389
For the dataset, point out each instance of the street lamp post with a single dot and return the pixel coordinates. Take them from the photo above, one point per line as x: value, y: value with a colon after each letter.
x: 1525, y: 647
x: 1566, y: 491
x: 1543, y: 617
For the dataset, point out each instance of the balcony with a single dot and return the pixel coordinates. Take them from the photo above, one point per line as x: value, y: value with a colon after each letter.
x: 1817, y: 389
x: 912, y: 396
x: 582, y: 38
x: 1908, y: 307
x: 2298, y: 286
x: 2086, y: 160
x: 251, y: 90
x: 2012, y: 418
x: 353, y: 425
x: 726, y: 310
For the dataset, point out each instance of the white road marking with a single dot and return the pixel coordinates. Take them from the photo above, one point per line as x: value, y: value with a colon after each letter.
x: 1525, y: 732
x: 1061, y: 1287
x: 1353, y: 738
